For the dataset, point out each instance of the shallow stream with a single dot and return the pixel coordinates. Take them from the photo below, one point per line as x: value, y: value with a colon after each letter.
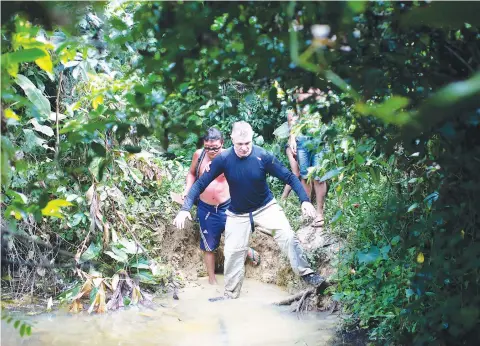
x: 191, y: 320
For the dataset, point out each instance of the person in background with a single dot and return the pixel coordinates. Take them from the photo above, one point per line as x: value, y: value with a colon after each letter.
x: 309, y: 155
x: 292, y: 157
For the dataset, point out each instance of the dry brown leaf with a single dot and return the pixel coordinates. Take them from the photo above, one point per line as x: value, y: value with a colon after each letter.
x: 89, y: 194
x: 102, y: 306
x: 115, y: 281
x: 136, y: 295
x: 85, y: 290
x: 114, y: 236
x: 106, y: 235
x: 95, y: 302
x: 97, y: 281
x: 76, y: 306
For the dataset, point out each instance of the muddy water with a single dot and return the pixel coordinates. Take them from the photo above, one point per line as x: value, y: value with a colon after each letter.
x: 192, y: 320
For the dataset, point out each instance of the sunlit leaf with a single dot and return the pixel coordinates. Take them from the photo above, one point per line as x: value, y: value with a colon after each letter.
x: 53, y: 207
x: 420, y: 257
x: 96, y: 101
x: 24, y: 55
x: 45, y: 63
x: 9, y: 114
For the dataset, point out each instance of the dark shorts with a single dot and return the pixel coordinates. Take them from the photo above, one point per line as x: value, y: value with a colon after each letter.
x: 212, y: 221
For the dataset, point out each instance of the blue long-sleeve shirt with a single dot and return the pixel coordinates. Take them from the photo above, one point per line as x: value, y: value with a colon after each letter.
x: 246, y: 179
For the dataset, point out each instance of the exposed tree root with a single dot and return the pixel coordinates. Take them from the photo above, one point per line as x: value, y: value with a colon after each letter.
x: 302, y: 301
x: 303, y: 298
x: 295, y: 297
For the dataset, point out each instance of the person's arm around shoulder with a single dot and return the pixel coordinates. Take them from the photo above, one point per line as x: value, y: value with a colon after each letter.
x: 216, y: 168
x: 191, y: 176
x: 275, y: 168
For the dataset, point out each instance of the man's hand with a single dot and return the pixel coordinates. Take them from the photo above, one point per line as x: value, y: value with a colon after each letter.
x: 309, y: 210
x: 179, y: 220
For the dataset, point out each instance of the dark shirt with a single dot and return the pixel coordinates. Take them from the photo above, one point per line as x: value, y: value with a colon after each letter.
x: 247, y: 179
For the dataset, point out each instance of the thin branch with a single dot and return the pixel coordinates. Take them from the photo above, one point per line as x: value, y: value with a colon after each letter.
x: 57, y: 144
x: 460, y: 58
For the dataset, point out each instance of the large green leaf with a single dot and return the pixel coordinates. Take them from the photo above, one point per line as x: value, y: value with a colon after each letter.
x: 46, y: 130
x: 35, y: 96
x: 25, y: 55
x: 117, y: 255
x: 145, y: 277
x: 331, y: 174
x: 368, y: 257
x: 130, y: 246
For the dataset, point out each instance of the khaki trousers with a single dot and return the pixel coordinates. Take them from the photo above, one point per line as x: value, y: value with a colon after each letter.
x: 270, y: 220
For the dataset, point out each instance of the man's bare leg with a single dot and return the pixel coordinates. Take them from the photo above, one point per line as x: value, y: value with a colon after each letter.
x: 320, y: 192
x: 210, y: 264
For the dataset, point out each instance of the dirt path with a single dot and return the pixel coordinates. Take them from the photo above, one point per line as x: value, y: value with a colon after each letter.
x: 192, y: 320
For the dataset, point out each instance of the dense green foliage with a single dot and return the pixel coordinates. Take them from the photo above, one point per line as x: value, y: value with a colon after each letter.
x: 138, y: 82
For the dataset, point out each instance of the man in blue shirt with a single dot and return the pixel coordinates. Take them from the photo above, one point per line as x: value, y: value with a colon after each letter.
x: 252, y: 204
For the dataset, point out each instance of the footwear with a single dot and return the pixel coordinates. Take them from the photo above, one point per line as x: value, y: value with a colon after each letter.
x: 313, y: 279
x: 253, y: 256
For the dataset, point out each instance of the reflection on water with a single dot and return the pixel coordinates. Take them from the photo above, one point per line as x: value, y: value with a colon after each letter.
x: 192, y: 320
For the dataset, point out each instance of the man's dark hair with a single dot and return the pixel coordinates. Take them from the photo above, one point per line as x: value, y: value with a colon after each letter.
x: 213, y: 134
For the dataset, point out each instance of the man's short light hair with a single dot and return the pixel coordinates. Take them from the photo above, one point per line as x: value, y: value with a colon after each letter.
x: 242, y: 129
